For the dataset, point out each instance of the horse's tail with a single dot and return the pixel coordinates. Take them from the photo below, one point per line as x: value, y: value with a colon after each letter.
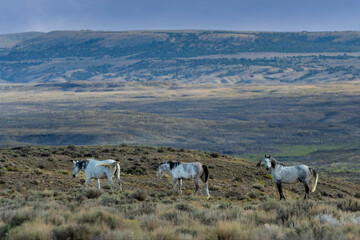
x: 316, y: 176
x: 113, y: 164
x: 117, y: 170
x: 205, y: 174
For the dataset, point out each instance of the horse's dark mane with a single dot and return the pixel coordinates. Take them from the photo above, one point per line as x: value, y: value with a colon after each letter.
x: 173, y: 164
x: 277, y: 162
x: 83, y: 164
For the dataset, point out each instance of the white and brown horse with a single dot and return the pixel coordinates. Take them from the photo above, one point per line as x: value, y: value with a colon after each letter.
x: 98, y: 170
x: 180, y: 171
x: 290, y: 174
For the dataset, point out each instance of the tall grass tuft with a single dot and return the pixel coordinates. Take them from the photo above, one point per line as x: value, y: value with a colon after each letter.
x: 31, y: 231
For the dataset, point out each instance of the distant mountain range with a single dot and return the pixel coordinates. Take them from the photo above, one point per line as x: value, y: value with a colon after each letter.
x: 10, y: 40
x: 183, y: 56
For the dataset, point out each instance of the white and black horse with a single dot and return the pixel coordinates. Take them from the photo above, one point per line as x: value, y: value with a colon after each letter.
x: 290, y: 174
x: 180, y: 171
x: 98, y: 170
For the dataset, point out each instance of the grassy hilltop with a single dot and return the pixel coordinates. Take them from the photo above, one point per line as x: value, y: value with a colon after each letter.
x: 41, y: 200
x: 181, y: 56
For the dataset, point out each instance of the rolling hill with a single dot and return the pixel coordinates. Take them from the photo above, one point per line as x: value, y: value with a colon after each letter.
x: 51, y: 168
x: 182, y: 56
x: 10, y: 40
x: 50, y: 203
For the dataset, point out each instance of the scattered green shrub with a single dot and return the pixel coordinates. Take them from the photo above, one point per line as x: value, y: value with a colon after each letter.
x: 235, y: 195
x: 349, y: 204
x: 30, y: 231
x: 259, y: 186
x: 170, y: 217
x: 92, y: 193
x: 215, y: 155
x: 139, y: 195
x: 100, y: 217
x: 184, y: 207
x: 268, y: 176
x: 38, y: 171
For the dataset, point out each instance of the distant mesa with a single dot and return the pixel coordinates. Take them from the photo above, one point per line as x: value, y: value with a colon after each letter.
x: 218, y: 57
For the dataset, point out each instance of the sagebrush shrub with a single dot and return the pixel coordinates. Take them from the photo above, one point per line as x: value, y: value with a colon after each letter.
x: 184, y: 207
x: 30, y: 231
x: 139, y: 195
x: 349, y: 204
x: 170, y: 217
x: 91, y: 193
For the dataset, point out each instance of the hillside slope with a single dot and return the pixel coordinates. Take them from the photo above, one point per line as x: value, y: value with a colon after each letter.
x: 169, y: 44
x: 184, y: 56
x: 10, y: 40
x: 50, y: 168
x: 41, y: 200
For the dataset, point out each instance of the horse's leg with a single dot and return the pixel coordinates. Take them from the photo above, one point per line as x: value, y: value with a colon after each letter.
x: 206, y: 189
x: 109, y: 176
x: 173, y: 184
x: 119, y: 182
x: 280, y: 191
x: 117, y: 176
x: 205, y: 186
x: 98, y: 183
x: 307, y: 190
x: 180, y: 184
x: 86, y: 182
x: 196, y: 182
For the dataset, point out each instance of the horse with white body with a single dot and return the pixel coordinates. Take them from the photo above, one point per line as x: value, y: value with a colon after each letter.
x: 180, y: 171
x: 292, y: 174
x: 98, y: 170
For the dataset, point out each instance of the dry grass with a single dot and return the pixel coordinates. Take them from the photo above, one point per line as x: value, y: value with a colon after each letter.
x: 231, y: 178
x: 53, y: 207
x: 121, y: 217
x: 132, y: 92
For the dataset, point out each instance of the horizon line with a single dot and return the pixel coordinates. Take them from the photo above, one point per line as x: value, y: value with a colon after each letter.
x: 180, y: 30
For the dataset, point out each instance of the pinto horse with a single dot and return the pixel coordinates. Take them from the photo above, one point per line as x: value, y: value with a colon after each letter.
x: 180, y: 171
x: 98, y: 170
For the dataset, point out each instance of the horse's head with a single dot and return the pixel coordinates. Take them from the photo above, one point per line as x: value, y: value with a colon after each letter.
x: 268, y: 162
x: 76, y: 168
x: 162, y: 167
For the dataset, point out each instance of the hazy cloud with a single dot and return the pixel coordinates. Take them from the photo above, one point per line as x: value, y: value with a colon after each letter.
x: 267, y: 15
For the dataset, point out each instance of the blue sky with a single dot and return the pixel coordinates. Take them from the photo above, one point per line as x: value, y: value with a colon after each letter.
x: 119, y: 15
